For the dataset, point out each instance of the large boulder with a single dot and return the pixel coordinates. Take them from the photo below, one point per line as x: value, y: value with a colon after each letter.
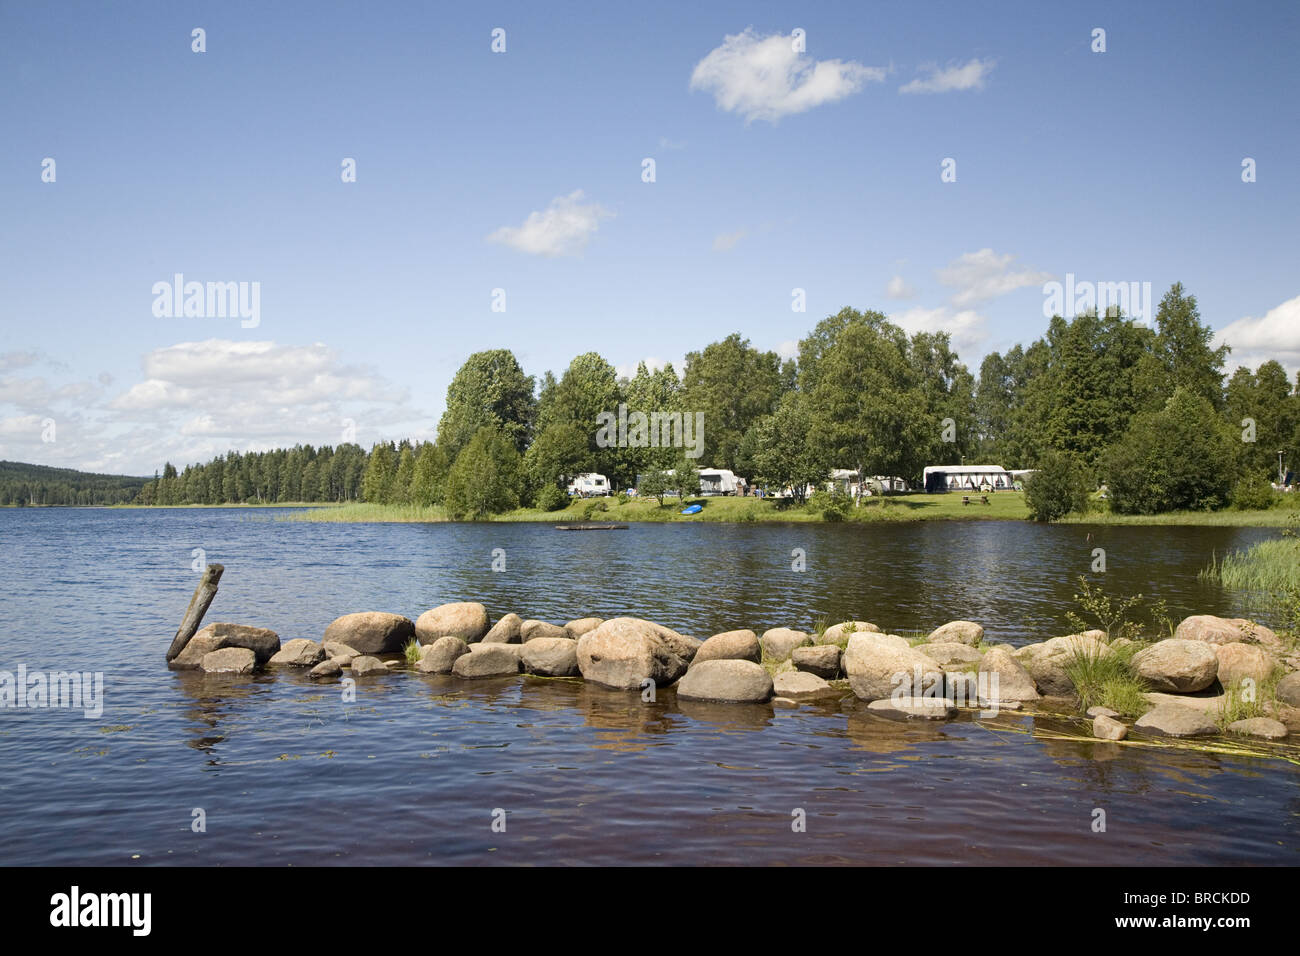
x: 623, y: 652
x: 878, y: 663
x: 800, y: 685
x: 957, y: 632
x: 1046, y: 662
x: 371, y: 632
x: 441, y: 655
x: 729, y: 645
x: 728, y: 681
x: 514, y: 650
x: 840, y: 633
x: 1265, y: 727
x: 822, y: 660
x: 493, y: 660
x: 1177, y: 665
x: 229, y: 660
x: 550, y: 657
x: 582, y: 625
x: 1007, y: 679
x: 298, y: 652
x: 467, y: 620
x: 262, y: 642
x: 534, y: 630
x: 1239, y: 662
x: 1225, y: 630
x: 780, y: 642
x: 508, y: 630
x: 1177, y: 720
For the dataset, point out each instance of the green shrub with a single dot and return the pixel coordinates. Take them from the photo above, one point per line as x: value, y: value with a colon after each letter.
x: 551, y: 498
x: 1252, y: 494
x: 1059, y: 487
x: 831, y: 505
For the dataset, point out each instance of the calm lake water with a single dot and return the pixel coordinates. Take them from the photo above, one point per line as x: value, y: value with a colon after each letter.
x: 286, y: 773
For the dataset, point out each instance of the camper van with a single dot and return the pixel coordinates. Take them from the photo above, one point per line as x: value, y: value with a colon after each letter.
x: 589, y: 485
x: 940, y: 478
x: 720, y: 481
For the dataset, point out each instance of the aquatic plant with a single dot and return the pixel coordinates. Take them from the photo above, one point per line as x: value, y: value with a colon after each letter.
x: 1104, y: 677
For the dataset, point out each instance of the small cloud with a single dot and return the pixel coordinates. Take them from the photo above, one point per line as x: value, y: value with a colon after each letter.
x: 980, y: 276
x: 12, y: 360
x: 899, y: 289
x: 788, y: 349
x: 728, y: 240
x: 763, y: 78
x: 1274, y: 335
x: 968, y: 76
x: 562, y: 229
x: 966, y: 326
x: 651, y: 363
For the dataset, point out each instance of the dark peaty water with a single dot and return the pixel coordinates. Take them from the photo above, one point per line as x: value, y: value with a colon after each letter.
x: 417, y: 769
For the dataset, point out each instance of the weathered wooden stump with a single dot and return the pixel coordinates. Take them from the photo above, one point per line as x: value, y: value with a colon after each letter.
x: 204, y: 592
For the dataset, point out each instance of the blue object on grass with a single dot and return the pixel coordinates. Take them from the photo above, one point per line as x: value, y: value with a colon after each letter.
x: 692, y: 510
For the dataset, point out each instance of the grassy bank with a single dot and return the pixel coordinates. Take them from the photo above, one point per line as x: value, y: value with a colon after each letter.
x: 1271, y: 518
x: 1270, y: 566
x: 918, y: 507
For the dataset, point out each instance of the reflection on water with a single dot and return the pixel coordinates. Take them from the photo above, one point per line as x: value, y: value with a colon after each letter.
x: 285, y: 770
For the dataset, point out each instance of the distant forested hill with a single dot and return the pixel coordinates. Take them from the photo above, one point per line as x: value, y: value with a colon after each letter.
x: 26, y: 485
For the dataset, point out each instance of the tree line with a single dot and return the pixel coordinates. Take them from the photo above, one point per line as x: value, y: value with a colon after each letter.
x: 1100, y: 399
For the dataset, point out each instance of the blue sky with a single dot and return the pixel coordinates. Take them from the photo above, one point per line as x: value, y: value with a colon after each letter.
x: 522, y: 171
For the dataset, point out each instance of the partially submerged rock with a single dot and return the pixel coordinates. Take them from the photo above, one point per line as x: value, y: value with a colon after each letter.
x: 909, y: 708
x: 228, y: 660
x: 799, y: 685
x: 366, y: 666
x: 1108, y: 728
x: 441, y: 655
x: 371, y: 632
x: 779, y: 642
x: 1177, y: 720
x: 1007, y: 679
x: 957, y: 632
x: 508, y: 630
x: 877, y: 664
x: 298, y: 652
x: 822, y: 660
x: 550, y: 657
x: 535, y: 630
x: 726, y: 681
x: 214, y: 637
x: 1265, y: 727
x: 490, y: 660
x: 624, y: 652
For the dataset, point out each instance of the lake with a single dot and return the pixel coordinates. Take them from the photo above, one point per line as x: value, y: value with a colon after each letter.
x: 282, y: 771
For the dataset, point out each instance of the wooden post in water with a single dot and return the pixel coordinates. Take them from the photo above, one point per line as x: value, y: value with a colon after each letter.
x: 203, y: 595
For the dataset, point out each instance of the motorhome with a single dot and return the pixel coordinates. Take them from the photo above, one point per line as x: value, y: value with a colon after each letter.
x: 589, y: 485
x: 720, y: 481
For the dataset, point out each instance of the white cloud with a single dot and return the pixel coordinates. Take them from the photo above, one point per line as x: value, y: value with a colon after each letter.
x: 1274, y: 335
x: 789, y: 349
x: 967, y: 76
x: 562, y: 229
x: 728, y: 240
x: 966, y: 326
x: 763, y: 78
x: 980, y: 276
x: 899, y: 289
x: 652, y: 364
x: 11, y: 360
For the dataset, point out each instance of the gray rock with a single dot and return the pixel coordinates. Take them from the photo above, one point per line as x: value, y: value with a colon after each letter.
x: 534, y: 630
x: 784, y: 702
x: 467, y: 620
x: 1265, y: 727
x: 1177, y: 665
x: 441, y: 655
x: 779, y: 642
x: 551, y: 657
x: 514, y: 650
x: 800, y: 685
x: 950, y: 652
x: 263, y: 643
x: 1288, y: 689
x: 366, y: 666
x: 877, y: 664
x: 339, y: 649
x: 371, y: 632
x: 229, y: 660
x: 1239, y: 662
x: 957, y: 632
x: 1226, y: 630
x: 727, y: 681
x: 1007, y: 680
x: 908, y: 708
x: 625, y: 651
x: 1108, y: 728
x: 328, y: 668
x: 298, y: 652
x: 508, y: 630
x: 840, y: 633
x: 493, y: 660
x: 582, y: 625
x: 822, y: 660
x: 1176, y: 720
x: 729, y: 645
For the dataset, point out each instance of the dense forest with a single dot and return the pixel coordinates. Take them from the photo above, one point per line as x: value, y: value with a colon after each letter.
x: 1099, y: 399
x: 25, y: 485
